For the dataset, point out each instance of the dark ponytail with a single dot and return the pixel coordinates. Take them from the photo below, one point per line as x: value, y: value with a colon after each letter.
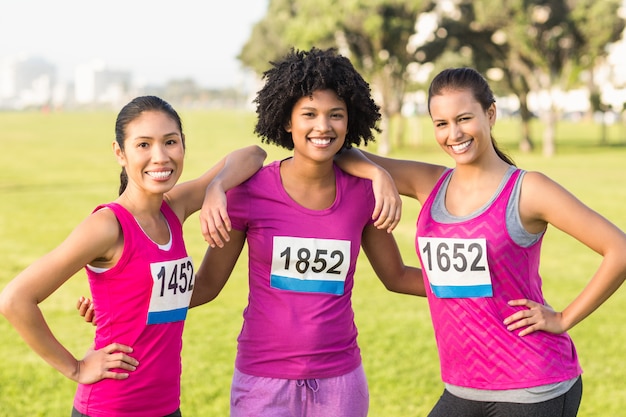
x: 123, y: 180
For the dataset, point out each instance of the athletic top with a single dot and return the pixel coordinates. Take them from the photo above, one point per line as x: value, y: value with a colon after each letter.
x: 299, y: 322
x: 141, y: 302
x: 472, y: 267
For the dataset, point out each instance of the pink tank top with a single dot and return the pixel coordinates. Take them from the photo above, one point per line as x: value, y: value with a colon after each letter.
x: 299, y: 322
x: 141, y: 302
x: 472, y: 268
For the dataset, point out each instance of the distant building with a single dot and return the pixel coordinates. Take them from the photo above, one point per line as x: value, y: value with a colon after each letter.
x: 94, y: 83
x: 26, y: 82
x: 31, y: 82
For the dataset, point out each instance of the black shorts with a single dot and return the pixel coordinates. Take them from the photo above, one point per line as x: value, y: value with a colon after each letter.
x: 75, y: 413
x: 565, y: 405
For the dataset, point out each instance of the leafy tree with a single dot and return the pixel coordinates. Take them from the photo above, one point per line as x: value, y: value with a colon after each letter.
x: 267, y: 41
x: 374, y: 34
x: 537, y: 45
x: 601, y: 26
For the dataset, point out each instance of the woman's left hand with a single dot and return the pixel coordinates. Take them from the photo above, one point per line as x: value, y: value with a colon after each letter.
x: 214, y: 221
x: 535, y: 317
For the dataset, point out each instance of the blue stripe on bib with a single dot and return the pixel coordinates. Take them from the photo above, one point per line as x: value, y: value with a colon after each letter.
x: 308, y: 285
x: 462, y: 291
x: 169, y: 316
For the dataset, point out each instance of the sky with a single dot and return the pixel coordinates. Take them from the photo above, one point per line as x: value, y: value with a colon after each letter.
x: 156, y: 40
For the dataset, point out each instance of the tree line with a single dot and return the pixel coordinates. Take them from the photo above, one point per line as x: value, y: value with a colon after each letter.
x: 526, y: 45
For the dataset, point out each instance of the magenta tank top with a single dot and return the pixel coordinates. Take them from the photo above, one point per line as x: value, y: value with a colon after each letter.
x: 141, y: 302
x: 299, y: 322
x: 472, y: 268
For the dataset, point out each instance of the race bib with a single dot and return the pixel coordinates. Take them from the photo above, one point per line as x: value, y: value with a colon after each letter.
x: 456, y: 268
x: 172, y: 286
x: 310, y: 265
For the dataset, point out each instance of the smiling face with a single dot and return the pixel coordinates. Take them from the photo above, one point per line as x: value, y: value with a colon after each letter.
x: 462, y: 127
x: 153, y: 152
x: 318, y: 125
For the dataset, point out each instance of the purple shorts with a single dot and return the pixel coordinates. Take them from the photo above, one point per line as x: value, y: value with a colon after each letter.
x: 343, y: 396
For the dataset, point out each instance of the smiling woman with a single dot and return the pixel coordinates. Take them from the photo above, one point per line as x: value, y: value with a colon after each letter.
x: 128, y: 248
x: 479, y: 235
x: 156, y: 147
x: 304, y: 220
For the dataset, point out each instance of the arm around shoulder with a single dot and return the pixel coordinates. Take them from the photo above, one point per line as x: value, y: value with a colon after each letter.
x: 413, y: 179
x: 236, y: 167
x: 214, y: 221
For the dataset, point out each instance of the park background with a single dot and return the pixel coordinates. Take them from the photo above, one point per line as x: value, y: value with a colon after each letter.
x: 57, y: 165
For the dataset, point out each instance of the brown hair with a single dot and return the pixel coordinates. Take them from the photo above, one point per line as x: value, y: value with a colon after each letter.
x: 467, y: 79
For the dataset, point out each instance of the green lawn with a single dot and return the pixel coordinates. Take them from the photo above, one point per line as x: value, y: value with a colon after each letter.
x: 57, y: 167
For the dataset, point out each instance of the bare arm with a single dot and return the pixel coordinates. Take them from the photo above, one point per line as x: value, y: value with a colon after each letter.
x: 384, y: 256
x: 215, y: 269
x: 214, y: 221
x: 19, y: 302
x: 545, y: 202
x: 388, y: 204
x: 236, y: 167
x: 412, y: 178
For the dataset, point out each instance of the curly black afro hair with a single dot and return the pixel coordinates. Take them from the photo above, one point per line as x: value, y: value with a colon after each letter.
x: 298, y: 74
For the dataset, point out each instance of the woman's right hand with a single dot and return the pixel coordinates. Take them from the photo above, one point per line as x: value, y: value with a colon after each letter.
x: 106, y: 363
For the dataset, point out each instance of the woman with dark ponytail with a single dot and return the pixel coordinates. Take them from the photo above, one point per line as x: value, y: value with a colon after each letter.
x: 503, y: 351
x: 140, y: 275
x: 130, y: 112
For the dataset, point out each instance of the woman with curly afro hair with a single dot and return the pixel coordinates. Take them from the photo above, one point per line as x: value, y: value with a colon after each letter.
x: 300, y: 74
x: 305, y: 220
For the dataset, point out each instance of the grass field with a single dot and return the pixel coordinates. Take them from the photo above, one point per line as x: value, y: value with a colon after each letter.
x: 57, y: 167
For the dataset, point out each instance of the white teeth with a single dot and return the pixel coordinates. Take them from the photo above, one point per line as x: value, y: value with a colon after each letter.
x: 461, y: 146
x: 320, y: 141
x: 160, y: 174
